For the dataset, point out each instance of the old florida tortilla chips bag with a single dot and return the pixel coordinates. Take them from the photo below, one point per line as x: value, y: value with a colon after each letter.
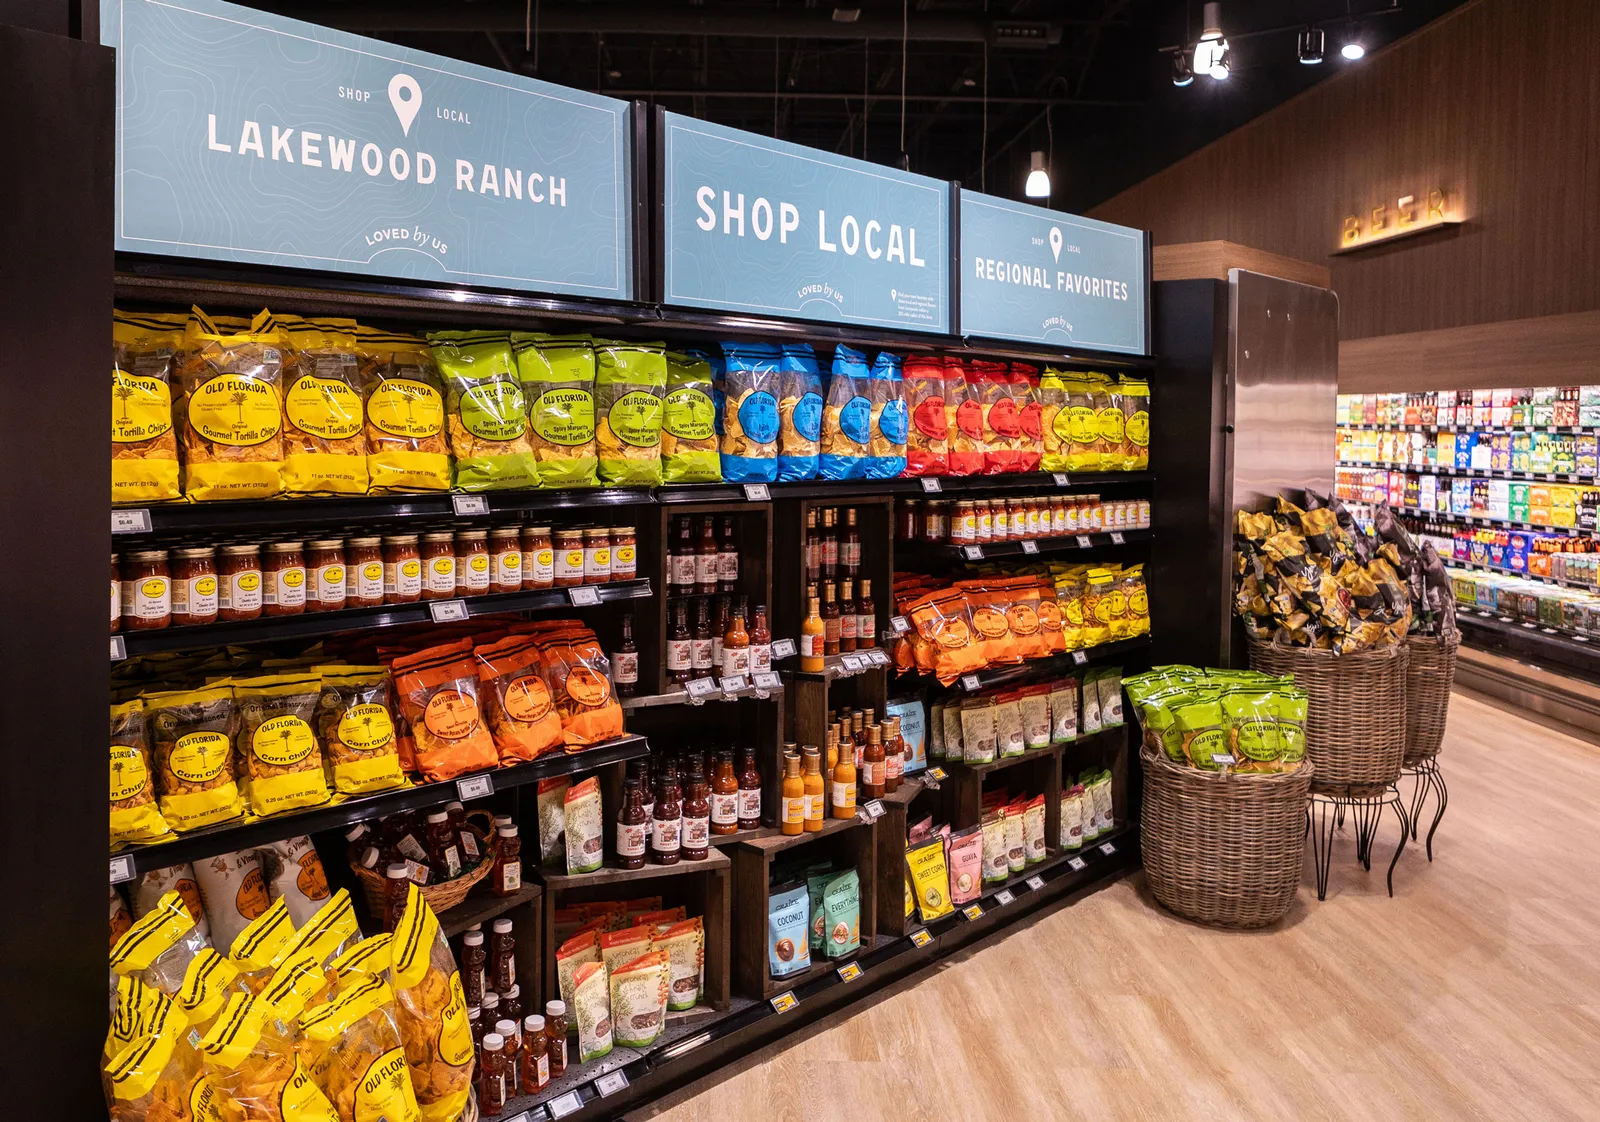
x: 799, y: 413
x: 846, y: 417
x: 360, y: 1060
x: 751, y: 422
x: 558, y: 375
x: 630, y: 390
x: 407, y: 449
x: 486, y: 410
x: 886, y: 443
x: 516, y: 698
x: 432, y: 1012
x: 438, y: 692
x: 1052, y: 394
x: 144, y: 447
x: 579, y: 676
x: 688, y: 423
x: 231, y: 408
x: 250, y: 1055
x: 943, y: 621
x: 324, y: 437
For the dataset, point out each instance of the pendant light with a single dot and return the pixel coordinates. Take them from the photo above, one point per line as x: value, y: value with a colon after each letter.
x: 1211, y: 55
x: 1038, y: 184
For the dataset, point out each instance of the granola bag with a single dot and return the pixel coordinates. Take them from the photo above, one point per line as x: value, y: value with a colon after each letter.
x: 251, y: 1058
x: 516, y: 699
x: 799, y: 413
x: 846, y: 417
x: 688, y: 428
x: 407, y: 449
x: 134, y: 814
x: 579, y: 676
x: 438, y: 692
x: 324, y: 435
x: 585, y: 827
x: 144, y: 447
x: 1030, y: 415
x: 886, y: 443
x: 750, y: 422
x: 630, y: 385
x: 581, y: 948
x: 277, y: 742
x: 192, y: 734
x: 432, y: 1012
x: 591, y: 997
x: 965, y: 418
x: 355, y: 719
x: 928, y: 433
x: 558, y: 374
x: 360, y: 1059
x: 684, y: 944
x: 1052, y: 395
x: 640, y: 991
x: 231, y: 408
x: 486, y: 410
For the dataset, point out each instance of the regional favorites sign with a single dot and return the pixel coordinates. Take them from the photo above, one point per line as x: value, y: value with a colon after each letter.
x: 243, y: 136
x: 758, y: 225
x: 1042, y: 276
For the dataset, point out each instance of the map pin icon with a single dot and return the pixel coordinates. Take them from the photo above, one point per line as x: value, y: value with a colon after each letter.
x: 406, y: 97
x: 1055, y: 232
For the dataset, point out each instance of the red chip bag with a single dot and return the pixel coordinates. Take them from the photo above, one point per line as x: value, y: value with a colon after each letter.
x: 1030, y: 413
x: 928, y: 434
x: 964, y: 419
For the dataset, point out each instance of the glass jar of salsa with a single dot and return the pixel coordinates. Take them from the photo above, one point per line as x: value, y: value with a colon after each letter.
x: 194, y: 586
x: 538, y: 558
x: 473, y: 564
x: 402, y: 569
x: 624, y: 553
x: 283, y: 579
x: 568, y: 558
x: 505, y: 559
x: 146, y: 590
x: 438, y: 565
x: 363, y: 572
x: 239, y: 583
x: 596, y: 556
x: 326, y: 575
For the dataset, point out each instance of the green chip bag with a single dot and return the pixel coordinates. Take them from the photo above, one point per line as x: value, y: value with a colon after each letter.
x: 486, y: 410
x: 1290, y: 711
x: 558, y: 375
x: 1201, y: 731
x: 688, y: 423
x: 630, y: 388
x: 1253, y: 727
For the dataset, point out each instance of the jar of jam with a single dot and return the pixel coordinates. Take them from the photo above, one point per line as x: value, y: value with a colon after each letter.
x: 402, y: 569
x: 146, y: 590
x: 1058, y: 517
x: 438, y: 565
x: 283, y: 579
x: 568, y: 558
x: 194, y: 586
x: 472, y: 562
x: 116, y: 595
x: 1032, y: 514
x: 505, y: 559
x: 596, y: 556
x: 624, y: 553
x: 239, y: 583
x: 326, y: 575
x: 363, y: 572
x: 538, y: 558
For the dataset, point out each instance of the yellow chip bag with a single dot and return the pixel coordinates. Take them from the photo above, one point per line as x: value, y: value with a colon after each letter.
x: 558, y: 375
x: 277, y: 742
x: 325, y: 442
x: 134, y: 814
x: 432, y: 1013
x: 144, y: 448
x: 192, y: 734
x: 231, y: 408
x: 930, y: 879
x: 404, y: 408
x: 355, y: 719
x: 630, y: 388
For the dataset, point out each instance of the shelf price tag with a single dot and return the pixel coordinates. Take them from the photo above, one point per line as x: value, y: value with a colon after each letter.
x: 920, y: 938
x: 972, y: 552
x: 1035, y: 882
x: 852, y: 663
x: 1079, y: 658
x: 1108, y: 849
x: 467, y: 505
x: 784, y: 1002
x: 733, y: 683
x: 849, y: 972
x: 121, y: 869
x: 973, y: 911
x: 474, y: 787
x: 701, y: 688
x: 877, y: 657
x: 1003, y: 897
x: 1076, y: 864
x: 1083, y: 541
x: 119, y: 649
x: 1117, y: 538
x: 935, y: 774
x: 1030, y: 546
x: 569, y: 1103
x: 783, y: 648
x: 931, y: 485
x: 757, y: 493
x: 1223, y: 759
x: 899, y: 625
x: 1063, y: 479
x: 583, y: 596
x: 130, y: 521
x: 525, y: 1116
x: 873, y: 810
x: 447, y: 611
x: 611, y: 1082
x: 970, y: 683
x: 767, y: 680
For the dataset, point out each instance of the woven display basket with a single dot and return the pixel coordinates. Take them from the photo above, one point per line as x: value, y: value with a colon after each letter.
x: 445, y: 894
x: 1356, y: 718
x: 1223, y: 850
x: 1429, y: 675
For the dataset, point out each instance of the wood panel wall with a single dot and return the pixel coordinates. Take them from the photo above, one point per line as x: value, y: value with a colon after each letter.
x: 1498, y: 102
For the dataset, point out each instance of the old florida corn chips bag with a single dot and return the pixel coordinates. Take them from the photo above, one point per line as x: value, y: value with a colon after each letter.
x: 191, y: 734
x: 630, y: 387
x: 355, y: 719
x: 432, y: 1012
x: 144, y: 447
x: 558, y: 373
x: 278, y: 741
x: 231, y: 408
x: 324, y: 435
x: 407, y: 449
x: 799, y: 413
x: 928, y: 431
x: 688, y: 423
x: 486, y: 410
x: 134, y: 814
x: 846, y: 417
x: 750, y: 422
x: 886, y: 442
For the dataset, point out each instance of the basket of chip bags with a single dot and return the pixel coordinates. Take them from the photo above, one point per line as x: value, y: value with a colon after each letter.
x: 1225, y: 784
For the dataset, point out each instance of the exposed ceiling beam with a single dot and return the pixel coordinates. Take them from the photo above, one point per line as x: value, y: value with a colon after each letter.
x: 855, y: 95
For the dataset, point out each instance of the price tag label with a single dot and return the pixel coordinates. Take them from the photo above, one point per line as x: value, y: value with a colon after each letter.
x: 1035, y: 882
x: 767, y: 680
x: 701, y: 688
x: 1079, y: 658
x: 972, y: 552
x: 1117, y: 538
x: 611, y: 1082
x: 899, y: 625
x: 935, y: 774
x: 474, y: 787
x: 1063, y: 479
x: 1076, y: 864
x: 783, y: 648
x: 1530, y: 626
x: 733, y: 683
x: 784, y: 1002
x: 852, y: 662
x: 849, y: 972
x: 973, y: 911
x: 1580, y: 638
x: 920, y: 937
x: 1030, y: 546
x: 583, y: 596
x: 119, y: 649
x: 1003, y: 897
x: 1108, y: 849
x: 873, y: 810
x: 130, y: 521
x: 1548, y: 630
x: 447, y: 611
x: 877, y: 657
x: 1223, y: 759
x: 931, y: 485
x: 757, y: 493
x: 1083, y: 541
x: 970, y: 683
x: 121, y: 869
x: 569, y: 1103
x: 466, y: 505
x: 525, y: 1116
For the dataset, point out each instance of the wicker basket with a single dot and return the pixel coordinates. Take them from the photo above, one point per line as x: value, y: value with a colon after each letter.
x: 1429, y: 675
x: 1356, y: 720
x: 1223, y: 850
x: 445, y: 894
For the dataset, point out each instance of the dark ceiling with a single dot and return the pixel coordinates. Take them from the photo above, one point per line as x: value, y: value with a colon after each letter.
x: 1084, y: 80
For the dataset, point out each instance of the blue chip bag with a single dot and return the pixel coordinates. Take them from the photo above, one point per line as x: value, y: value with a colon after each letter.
x: 799, y: 413
x: 750, y: 412
x: 846, y: 417
x: 886, y: 446
x: 788, y: 930
x: 718, y: 377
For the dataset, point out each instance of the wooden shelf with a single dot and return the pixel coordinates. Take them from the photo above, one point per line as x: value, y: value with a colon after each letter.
x: 482, y: 906
x: 610, y: 874
x: 772, y: 839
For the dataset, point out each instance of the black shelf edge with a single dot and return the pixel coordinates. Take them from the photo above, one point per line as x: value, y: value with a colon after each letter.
x: 197, y: 845
x: 949, y: 486
x: 1069, y: 543
x: 1530, y: 642
x: 1570, y: 478
x: 315, y: 624
x: 1485, y: 567
x: 1055, y: 664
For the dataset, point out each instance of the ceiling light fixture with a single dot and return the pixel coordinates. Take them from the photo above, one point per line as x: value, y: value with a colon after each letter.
x: 1353, y: 50
x: 1311, y: 45
x: 1181, y: 74
x: 1211, y: 55
x: 1038, y: 184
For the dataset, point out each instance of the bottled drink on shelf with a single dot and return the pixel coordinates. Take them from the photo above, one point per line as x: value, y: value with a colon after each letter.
x: 850, y: 547
x: 894, y: 762
x: 681, y: 577
x: 696, y: 831
x: 719, y: 627
x: 633, y: 826
x: 812, y: 777
x: 736, y: 646
x: 844, y: 784
x: 666, y: 837
x: 680, y: 652
x: 708, y: 558
x: 760, y: 642
x: 625, y: 660
x: 873, y: 764
x: 866, y: 618
x: 813, y: 547
x: 725, y: 796
x: 830, y: 620
x: 727, y: 557
x: 830, y: 544
x: 749, y: 791
x: 701, y: 654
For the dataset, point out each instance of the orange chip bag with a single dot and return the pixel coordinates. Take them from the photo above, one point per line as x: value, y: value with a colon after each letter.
x: 438, y: 691
x: 943, y: 622
x: 1050, y: 619
x: 990, y: 603
x: 516, y: 698
x: 1023, y: 615
x: 579, y: 676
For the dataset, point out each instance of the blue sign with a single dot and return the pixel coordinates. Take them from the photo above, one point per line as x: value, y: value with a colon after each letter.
x: 770, y: 228
x: 243, y: 136
x: 1041, y: 276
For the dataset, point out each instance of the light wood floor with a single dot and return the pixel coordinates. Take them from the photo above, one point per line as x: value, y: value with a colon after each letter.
x: 1474, y: 993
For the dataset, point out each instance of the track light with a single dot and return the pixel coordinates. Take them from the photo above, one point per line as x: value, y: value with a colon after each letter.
x: 1353, y: 50
x: 1311, y: 44
x: 1181, y: 74
x: 1211, y: 52
x: 1038, y: 184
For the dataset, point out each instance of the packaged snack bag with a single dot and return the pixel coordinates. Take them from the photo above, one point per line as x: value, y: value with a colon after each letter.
x: 639, y: 994
x: 964, y: 416
x: 928, y: 432
x: 585, y: 827
x: 996, y: 864
x: 1110, y: 684
x: 1101, y: 792
x: 816, y: 884
x: 799, y: 413
x: 121, y: 918
x: 618, y: 948
x: 1099, y: 607
x: 688, y: 428
x: 438, y: 691
x: 841, y: 901
x: 886, y: 444
x: 158, y: 1073
x: 432, y: 1013
x: 1033, y: 830
x: 330, y: 932
x: 930, y: 879
x: 576, y: 951
x: 713, y: 359
x: 1030, y: 415
x: 965, y: 857
x: 990, y: 603
x: 264, y: 943
x: 1034, y: 701
x: 1002, y: 418
x: 250, y: 1056
x: 294, y: 874
x: 684, y: 944
x: 207, y: 986
x: 156, y: 883
x: 552, y: 797
x: 324, y: 437
x: 558, y: 377
x: 943, y: 622
x: 978, y: 734
x: 134, y: 814
x: 361, y: 1061
x: 1064, y: 711
x: 630, y: 385
x: 579, y: 677
x: 1008, y: 734
x: 750, y: 422
x: 788, y: 923
x: 1071, y: 820
x: 231, y: 408
x: 158, y: 948
x: 407, y: 449
x: 1109, y: 419
x: 486, y: 410
x: 192, y: 732
x: 1053, y: 428
x: 277, y: 742
x: 1135, y: 402
x: 144, y: 447
x: 1016, y: 841
x: 355, y: 719
x: 591, y: 1003
x: 516, y: 698
x: 846, y: 417
x: 234, y: 892
x: 1085, y: 396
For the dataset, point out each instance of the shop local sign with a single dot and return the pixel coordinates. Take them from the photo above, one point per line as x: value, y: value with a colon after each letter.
x: 246, y: 137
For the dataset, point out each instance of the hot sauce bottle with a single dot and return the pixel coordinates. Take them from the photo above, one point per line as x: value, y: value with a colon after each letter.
x: 844, y: 785
x: 872, y: 778
x: 736, y: 647
x: 696, y: 831
x: 749, y: 791
x: 812, y: 779
x: 633, y: 826
x: 625, y: 660
x: 700, y: 654
x: 794, y: 794
x: 760, y: 642
x: 813, y: 636
x: 847, y: 615
x: 830, y: 621
x: 724, y: 796
x: 866, y: 618
x: 679, y: 646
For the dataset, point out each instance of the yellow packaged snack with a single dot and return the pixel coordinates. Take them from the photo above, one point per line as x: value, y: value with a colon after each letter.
x: 252, y: 1059
x: 231, y: 408
x: 1078, y: 422
x: 1111, y: 422
x: 324, y: 435
x: 1052, y: 400
x: 1099, y: 607
x: 370, y: 958
x: 134, y: 814
x: 192, y: 734
x: 688, y: 423
x: 1135, y: 403
x: 277, y: 743
x: 360, y: 1061
x: 355, y: 719
x: 144, y: 447
x: 158, y: 948
x: 160, y: 1076
x: 135, y: 1005
x: 630, y: 387
x: 558, y: 377
x: 261, y: 946
x: 432, y: 1013
x: 207, y: 985
x: 486, y: 410
x: 403, y: 403
x: 326, y: 935
x: 930, y: 879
